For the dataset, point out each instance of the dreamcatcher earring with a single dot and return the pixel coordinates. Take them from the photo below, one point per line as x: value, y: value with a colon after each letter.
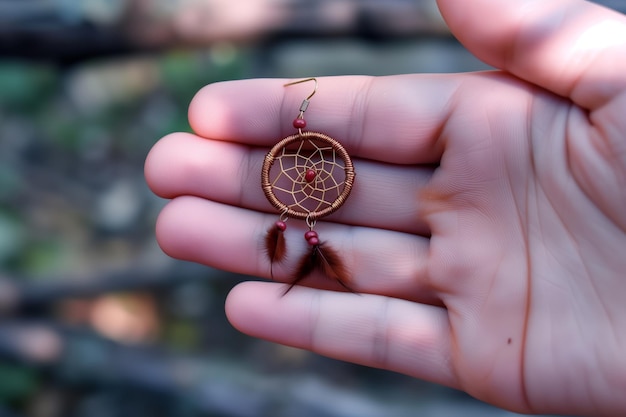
x: 306, y: 176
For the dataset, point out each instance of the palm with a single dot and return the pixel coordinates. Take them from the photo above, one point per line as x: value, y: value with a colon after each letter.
x: 520, y: 245
x: 498, y: 272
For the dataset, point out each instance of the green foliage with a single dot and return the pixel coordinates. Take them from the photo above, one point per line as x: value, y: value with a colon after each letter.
x: 16, y: 383
x: 181, y: 335
x: 23, y: 85
x: 12, y: 236
x: 66, y: 135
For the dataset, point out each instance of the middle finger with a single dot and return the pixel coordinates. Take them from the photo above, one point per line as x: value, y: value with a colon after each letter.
x: 384, y: 196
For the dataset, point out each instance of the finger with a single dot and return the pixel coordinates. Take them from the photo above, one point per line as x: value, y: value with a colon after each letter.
x: 571, y: 47
x: 384, y: 196
x: 376, y: 331
x: 231, y: 239
x: 390, y: 119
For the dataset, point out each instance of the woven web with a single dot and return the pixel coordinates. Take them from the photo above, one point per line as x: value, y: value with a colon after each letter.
x: 288, y: 172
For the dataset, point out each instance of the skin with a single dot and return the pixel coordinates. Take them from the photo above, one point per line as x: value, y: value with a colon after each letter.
x: 486, y: 231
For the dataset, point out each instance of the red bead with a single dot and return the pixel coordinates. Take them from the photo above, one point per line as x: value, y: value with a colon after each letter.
x: 313, y: 241
x: 310, y: 175
x: 281, y: 225
x: 310, y: 234
x: 299, y: 123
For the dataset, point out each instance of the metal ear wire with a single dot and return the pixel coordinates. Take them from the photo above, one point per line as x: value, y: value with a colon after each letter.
x: 299, y: 123
x: 305, y: 81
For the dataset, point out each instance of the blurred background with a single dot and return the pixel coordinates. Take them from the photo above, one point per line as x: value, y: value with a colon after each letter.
x: 95, y: 320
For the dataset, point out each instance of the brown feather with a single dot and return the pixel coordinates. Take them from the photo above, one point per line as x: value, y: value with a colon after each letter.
x: 325, y: 260
x: 330, y: 264
x: 305, y: 267
x: 275, y: 246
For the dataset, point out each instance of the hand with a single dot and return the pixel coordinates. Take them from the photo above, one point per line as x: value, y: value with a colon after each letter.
x: 486, y: 231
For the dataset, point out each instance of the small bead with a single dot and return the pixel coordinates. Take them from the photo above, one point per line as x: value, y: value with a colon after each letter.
x: 310, y: 175
x: 313, y: 241
x: 299, y: 123
x: 310, y: 234
x: 281, y: 225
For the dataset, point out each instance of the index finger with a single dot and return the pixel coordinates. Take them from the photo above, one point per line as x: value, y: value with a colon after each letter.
x: 386, y: 118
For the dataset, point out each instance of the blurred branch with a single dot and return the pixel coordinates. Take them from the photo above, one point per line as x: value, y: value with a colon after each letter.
x: 17, y: 294
x: 68, y: 32
x: 211, y: 385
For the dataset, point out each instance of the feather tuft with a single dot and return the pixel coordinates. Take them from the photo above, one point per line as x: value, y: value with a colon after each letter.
x: 330, y: 264
x: 324, y: 259
x: 305, y: 267
x: 275, y: 246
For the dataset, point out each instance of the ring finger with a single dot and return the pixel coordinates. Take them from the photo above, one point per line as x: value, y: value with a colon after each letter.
x: 231, y: 238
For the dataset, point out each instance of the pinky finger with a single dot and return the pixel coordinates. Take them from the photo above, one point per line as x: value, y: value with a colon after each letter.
x: 371, y: 330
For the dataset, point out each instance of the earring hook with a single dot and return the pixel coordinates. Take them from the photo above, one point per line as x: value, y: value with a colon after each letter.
x: 304, y: 81
x: 299, y: 123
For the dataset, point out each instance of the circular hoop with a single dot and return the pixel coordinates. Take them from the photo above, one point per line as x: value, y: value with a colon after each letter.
x: 275, y: 152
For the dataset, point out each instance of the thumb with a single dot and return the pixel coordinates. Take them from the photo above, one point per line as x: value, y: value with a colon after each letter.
x: 573, y: 48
